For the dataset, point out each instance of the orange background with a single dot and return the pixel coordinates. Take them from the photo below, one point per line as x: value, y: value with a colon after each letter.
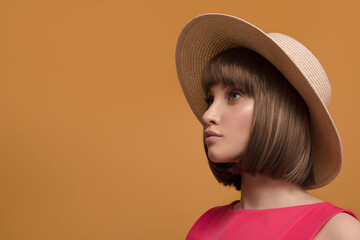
x: 96, y: 138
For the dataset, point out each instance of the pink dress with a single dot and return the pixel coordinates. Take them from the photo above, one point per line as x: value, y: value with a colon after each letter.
x: 295, y: 223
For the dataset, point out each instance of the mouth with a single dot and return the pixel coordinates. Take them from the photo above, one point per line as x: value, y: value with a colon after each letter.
x: 212, y: 139
x: 211, y: 136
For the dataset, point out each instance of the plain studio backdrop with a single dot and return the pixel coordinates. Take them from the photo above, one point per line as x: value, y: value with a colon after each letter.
x: 96, y: 138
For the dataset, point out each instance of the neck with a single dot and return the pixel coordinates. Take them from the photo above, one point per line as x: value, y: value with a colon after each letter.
x: 263, y: 192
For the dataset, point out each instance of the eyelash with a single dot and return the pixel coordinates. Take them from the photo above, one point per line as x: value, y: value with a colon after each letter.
x: 209, y: 100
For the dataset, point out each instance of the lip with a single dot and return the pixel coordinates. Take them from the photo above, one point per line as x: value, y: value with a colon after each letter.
x: 208, y: 133
x: 211, y: 136
x: 211, y: 139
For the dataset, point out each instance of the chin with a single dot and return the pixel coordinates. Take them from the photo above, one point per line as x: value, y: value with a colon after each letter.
x: 221, y: 159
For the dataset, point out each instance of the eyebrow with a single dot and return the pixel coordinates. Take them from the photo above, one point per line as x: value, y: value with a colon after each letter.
x: 223, y: 87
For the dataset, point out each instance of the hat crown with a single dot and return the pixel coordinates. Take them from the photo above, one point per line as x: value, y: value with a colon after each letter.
x: 307, y: 63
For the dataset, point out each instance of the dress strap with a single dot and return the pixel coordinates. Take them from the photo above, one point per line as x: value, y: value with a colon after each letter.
x: 312, y: 222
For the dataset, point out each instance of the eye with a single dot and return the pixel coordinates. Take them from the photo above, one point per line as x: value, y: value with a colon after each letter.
x: 209, y: 100
x: 233, y: 95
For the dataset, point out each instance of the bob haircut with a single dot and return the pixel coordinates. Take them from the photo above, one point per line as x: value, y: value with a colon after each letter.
x: 280, y: 141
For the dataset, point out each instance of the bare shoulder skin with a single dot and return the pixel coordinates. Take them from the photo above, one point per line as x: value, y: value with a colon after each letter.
x: 342, y: 226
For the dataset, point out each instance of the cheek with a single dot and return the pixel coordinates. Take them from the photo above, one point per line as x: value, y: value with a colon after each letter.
x: 242, y: 123
x: 243, y: 118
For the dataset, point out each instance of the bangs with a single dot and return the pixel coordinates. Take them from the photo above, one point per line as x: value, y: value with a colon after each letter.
x: 231, y: 67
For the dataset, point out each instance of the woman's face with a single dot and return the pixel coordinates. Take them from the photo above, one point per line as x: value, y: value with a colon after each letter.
x: 229, y: 116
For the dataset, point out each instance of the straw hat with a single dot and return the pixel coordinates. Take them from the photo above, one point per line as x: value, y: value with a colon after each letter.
x: 209, y: 34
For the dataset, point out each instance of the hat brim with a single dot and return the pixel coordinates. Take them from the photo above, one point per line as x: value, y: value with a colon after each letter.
x: 209, y: 34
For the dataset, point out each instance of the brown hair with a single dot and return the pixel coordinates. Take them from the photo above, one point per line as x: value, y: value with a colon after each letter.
x: 280, y: 141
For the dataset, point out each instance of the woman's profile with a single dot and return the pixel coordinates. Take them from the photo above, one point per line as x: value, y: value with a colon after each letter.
x: 262, y: 99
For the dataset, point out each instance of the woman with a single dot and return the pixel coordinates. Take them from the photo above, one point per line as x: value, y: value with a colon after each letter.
x: 262, y: 101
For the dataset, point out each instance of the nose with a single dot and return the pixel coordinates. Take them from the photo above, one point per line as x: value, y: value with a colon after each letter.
x: 211, y: 115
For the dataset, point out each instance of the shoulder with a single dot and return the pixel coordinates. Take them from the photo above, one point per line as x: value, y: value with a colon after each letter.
x: 212, y: 214
x: 341, y: 226
x: 206, y: 220
x: 216, y: 211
